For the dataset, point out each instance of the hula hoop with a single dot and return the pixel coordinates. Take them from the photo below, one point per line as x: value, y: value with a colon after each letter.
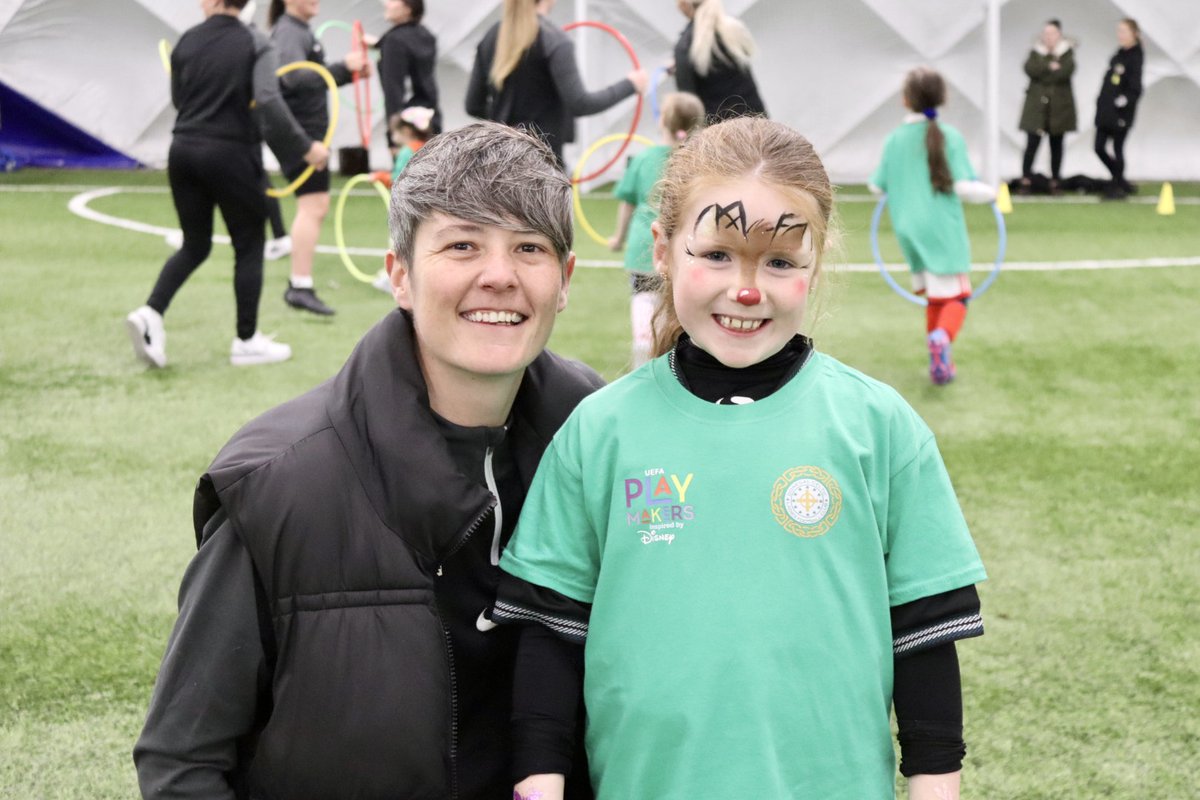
x: 656, y: 78
x: 579, y: 215
x: 333, y: 119
x: 1001, y: 246
x: 164, y: 52
x: 637, y: 111
x: 339, y: 214
x: 362, y: 92
x: 333, y: 23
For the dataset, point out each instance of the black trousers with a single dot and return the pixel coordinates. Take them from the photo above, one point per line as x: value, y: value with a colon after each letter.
x: 207, y: 174
x: 1032, y: 142
x: 1115, y: 162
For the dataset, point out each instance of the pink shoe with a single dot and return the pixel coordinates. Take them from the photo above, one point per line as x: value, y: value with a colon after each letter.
x: 941, y: 364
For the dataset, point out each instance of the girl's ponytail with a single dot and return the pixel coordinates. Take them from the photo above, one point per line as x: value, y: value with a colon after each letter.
x: 924, y: 91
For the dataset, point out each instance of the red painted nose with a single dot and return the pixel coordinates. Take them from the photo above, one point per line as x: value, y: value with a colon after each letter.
x: 749, y: 297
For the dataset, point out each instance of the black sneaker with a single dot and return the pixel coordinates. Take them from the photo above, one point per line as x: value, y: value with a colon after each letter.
x: 306, y: 300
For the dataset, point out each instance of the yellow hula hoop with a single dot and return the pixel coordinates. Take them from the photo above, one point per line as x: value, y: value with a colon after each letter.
x: 333, y: 119
x: 164, y: 52
x: 339, y: 230
x: 579, y: 215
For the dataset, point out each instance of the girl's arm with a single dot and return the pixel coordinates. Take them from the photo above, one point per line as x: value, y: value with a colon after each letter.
x: 624, y: 215
x: 934, y: 787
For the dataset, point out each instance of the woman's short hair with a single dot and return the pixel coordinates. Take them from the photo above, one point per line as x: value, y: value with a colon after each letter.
x: 486, y: 173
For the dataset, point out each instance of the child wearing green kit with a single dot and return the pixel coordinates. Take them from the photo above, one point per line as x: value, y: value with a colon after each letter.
x: 743, y: 554
x: 682, y: 113
x: 926, y: 173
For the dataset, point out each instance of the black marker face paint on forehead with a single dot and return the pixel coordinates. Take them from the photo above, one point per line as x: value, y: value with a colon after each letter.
x: 724, y: 217
x: 733, y: 216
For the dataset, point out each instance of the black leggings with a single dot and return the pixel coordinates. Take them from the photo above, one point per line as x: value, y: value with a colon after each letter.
x: 204, y: 174
x: 1115, y: 162
x: 1032, y: 142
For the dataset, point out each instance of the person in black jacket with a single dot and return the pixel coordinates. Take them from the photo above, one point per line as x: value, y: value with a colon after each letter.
x: 304, y: 91
x: 331, y: 640
x: 712, y: 61
x: 1115, y: 107
x: 525, y: 74
x: 407, y: 63
x: 224, y: 88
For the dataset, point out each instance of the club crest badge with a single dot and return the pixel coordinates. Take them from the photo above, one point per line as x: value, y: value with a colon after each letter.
x: 806, y: 501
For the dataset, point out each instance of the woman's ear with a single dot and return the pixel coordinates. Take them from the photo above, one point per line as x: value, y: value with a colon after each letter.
x: 399, y: 275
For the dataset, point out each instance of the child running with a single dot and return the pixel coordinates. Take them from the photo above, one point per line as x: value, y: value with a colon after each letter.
x: 759, y: 546
x: 682, y: 113
x: 926, y: 174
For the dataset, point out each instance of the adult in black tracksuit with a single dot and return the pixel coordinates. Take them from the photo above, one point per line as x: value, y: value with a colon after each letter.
x: 525, y: 74
x: 305, y: 93
x: 331, y: 641
x: 217, y: 69
x: 1117, y: 104
x: 712, y: 61
x: 407, y: 64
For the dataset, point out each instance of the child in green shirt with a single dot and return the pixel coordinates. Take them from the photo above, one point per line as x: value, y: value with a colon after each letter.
x: 744, y: 553
x: 682, y: 113
x: 926, y: 174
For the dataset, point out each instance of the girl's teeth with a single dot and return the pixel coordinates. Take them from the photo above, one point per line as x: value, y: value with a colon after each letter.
x: 740, y: 324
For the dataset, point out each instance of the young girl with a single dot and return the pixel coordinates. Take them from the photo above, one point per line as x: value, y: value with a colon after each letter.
x: 759, y: 545
x: 926, y: 174
x: 411, y: 129
x: 681, y: 114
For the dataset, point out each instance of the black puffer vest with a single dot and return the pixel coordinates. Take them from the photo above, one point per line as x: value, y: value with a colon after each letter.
x: 347, y: 500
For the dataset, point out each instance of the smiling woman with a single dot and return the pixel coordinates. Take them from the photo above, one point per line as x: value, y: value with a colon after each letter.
x: 396, y: 476
x: 483, y: 300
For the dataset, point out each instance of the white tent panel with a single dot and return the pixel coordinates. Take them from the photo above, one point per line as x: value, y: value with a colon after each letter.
x: 832, y: 70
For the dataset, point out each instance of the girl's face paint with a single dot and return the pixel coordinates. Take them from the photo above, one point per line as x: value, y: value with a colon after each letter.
x: 737, y: 239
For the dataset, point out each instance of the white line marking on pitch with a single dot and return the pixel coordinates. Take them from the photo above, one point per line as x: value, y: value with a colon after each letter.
x: 78, y: 205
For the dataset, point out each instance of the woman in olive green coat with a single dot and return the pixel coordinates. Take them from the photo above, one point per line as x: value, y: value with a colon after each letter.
x: 1049, y: 101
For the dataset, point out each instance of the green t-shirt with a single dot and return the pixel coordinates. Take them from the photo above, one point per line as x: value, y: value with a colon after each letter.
x: 929, y: 225
x: 634, y: 188
x: 403, y: 156
x: 742, y: 562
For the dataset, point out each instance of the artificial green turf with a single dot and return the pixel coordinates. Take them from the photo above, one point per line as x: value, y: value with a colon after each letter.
x: 1070, y: 435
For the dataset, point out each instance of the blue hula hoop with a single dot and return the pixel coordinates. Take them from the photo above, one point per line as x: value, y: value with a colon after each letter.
x: 656, y: 78
x: 1001, y: 247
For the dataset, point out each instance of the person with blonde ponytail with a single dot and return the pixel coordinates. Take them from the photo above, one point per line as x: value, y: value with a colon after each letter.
x: 525, y: 75
x: 712, y: 61
x: 927, y: 174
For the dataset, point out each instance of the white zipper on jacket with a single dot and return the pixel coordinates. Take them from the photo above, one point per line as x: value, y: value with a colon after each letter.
x: 498, y: 514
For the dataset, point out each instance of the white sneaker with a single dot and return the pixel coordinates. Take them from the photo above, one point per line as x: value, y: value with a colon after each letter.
x: 174, y: 239
x: 276, y: 249
x: 383, y: 283
x: 258, y: 349
x: 148, y: 336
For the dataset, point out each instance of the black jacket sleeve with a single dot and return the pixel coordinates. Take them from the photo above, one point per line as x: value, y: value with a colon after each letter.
x: 477, y: 85
x: 577, y: 100
x: 214, y: 674
x: 279, y: 128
